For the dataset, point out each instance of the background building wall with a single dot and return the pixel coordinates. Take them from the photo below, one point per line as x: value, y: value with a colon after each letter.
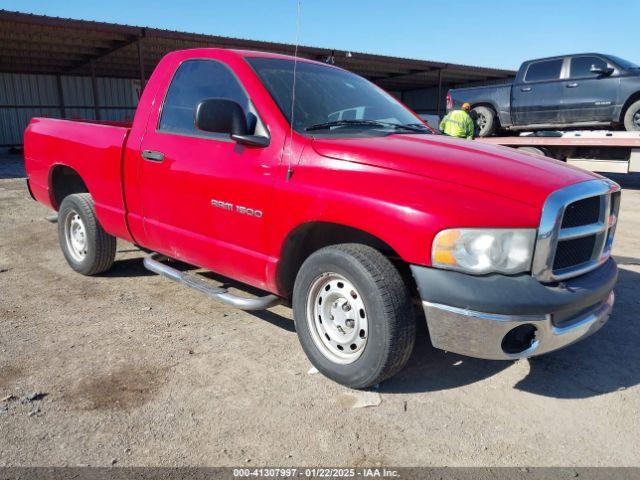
x: 24, y: 96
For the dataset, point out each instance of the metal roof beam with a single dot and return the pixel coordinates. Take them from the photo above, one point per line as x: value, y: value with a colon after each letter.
x: 411, y: 72
x: 38, y: 38
x: 88, y: 59
x: 35, y: 56
x: 45, y: 21
x: 48, y: 48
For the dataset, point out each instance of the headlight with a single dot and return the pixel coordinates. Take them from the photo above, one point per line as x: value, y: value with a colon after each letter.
x: 481, y: 250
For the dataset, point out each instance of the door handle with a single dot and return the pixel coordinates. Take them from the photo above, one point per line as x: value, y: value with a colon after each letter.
x: 525, y: 89
x: 153, y: 155
x: 572, y: 85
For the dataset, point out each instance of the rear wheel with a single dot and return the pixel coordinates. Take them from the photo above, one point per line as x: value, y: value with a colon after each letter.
x: 87, y: 248
x: 353, y: 315
x: 632, y: 117
x: 485, y: 119
x: 536, y: 150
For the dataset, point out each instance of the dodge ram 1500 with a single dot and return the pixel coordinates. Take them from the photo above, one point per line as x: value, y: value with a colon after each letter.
x: 339, y: 201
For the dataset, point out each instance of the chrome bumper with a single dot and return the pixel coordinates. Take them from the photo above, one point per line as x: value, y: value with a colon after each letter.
x: 481, y: 335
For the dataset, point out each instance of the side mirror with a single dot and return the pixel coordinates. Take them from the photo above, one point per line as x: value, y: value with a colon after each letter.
x: 220, y: 115
x: 601, y: 70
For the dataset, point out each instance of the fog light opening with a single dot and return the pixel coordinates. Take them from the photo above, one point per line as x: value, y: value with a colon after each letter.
x: 519, y: 339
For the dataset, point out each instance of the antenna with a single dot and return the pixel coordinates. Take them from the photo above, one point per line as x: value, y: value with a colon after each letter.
x: 293, y: 93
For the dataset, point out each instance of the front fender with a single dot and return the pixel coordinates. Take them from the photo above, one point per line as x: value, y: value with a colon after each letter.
x: 403, y: 210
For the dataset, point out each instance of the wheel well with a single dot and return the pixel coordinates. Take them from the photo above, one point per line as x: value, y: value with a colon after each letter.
x: 633, y: 98
x: 310, y: 237
x: 483, y: 104
x: 65, y: 181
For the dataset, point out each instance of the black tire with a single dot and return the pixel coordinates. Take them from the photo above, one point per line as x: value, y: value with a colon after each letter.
x: 485, y: 119
x: 534, y: 150
x: 632, y: 117
x: 389, y: 313
x: 97, y: 252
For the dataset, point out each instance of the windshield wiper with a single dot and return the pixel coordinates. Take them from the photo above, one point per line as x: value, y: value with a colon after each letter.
x: 417, y: 127
x: 340, y: 123
x: 371, y: 123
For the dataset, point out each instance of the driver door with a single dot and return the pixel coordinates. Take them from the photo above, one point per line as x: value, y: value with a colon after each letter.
x: 538, y: 98
x: 197, y: 187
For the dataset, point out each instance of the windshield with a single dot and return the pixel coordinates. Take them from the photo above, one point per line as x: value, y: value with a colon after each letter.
x: 624, y: 64
x: 330, y: 100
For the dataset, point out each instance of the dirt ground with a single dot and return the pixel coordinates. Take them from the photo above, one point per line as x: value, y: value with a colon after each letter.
x: 138, y: 370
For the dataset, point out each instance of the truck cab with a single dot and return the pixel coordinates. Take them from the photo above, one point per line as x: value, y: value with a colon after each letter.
x: 565, y: 90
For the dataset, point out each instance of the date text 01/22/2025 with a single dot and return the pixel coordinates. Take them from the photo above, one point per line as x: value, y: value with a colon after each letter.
x: 315, y: 473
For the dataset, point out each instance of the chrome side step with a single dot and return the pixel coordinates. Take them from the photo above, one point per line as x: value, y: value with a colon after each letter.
x: 154, y: 263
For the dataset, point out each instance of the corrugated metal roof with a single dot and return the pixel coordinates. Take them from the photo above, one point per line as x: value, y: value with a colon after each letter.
x: 52, y: 45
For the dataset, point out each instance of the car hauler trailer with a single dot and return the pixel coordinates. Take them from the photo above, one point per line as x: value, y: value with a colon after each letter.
x: 599, y: 151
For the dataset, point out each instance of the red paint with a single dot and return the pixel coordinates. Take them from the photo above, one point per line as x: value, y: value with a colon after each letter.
x: 402, y: 189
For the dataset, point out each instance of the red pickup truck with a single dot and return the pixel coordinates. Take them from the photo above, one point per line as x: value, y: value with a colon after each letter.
x: 341, y: 202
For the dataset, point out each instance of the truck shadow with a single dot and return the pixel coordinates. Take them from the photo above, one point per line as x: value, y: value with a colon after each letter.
x: 268, y: 316
x: 12, y: 166
x: 605, y: 362
x: 430, y: 370
x: 133, y: 267
x: 128, y: 267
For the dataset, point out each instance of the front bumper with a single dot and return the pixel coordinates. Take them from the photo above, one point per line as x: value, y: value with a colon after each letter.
x: 501, y: 318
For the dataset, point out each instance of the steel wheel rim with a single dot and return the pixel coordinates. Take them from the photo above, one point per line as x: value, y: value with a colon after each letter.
x: 636, y: 119
x: 482, y: 121
x: 75, y: 236
x: 337, y: 318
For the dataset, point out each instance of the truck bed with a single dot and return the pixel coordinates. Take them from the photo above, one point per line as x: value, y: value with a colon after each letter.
x: 92, y: 149
x: 499, y: 95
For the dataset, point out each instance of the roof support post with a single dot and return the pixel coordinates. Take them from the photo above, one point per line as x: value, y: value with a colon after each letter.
x: 439, y: 102
x: 63, y: 113
x: 141, y: 62
x: 94, y: 91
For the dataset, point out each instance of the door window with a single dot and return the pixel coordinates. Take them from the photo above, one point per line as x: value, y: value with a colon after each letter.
x: 193, y: 82
x: 546, y: 70
x: 581, y: 66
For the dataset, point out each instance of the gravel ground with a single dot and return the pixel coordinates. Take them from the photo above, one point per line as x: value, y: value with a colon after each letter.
x: 140, y: 371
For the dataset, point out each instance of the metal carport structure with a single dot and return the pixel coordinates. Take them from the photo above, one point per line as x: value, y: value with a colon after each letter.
x: 63, y: 51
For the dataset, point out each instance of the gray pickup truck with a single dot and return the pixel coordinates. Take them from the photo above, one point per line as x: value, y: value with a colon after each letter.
x: 570, y: 91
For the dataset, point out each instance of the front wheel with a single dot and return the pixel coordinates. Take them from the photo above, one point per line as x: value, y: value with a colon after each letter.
x: 87, y: 248
x: 353, y: 315
x: 632, y: 117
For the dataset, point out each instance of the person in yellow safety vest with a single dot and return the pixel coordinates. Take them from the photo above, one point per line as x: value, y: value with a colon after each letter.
x: 458, y: 123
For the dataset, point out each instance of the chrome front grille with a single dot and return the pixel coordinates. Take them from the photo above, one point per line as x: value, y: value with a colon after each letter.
x: 576, y: 230
x: 575, y: 251
x: 582, y: 212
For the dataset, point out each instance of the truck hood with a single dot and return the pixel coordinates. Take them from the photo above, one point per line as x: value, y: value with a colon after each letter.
x: 527, y: 178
